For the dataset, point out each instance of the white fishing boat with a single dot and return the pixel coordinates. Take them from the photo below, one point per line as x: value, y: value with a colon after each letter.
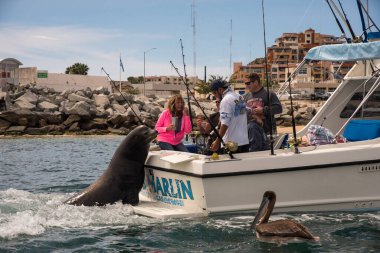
x: 343, y: 176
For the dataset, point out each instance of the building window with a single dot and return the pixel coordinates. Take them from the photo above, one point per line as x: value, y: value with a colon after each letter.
x: 302, y: 71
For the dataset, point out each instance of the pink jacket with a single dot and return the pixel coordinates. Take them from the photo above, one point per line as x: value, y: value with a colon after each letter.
x: 170, y: 136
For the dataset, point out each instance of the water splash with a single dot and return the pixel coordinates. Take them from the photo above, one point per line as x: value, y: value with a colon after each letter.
x: 25, y: 213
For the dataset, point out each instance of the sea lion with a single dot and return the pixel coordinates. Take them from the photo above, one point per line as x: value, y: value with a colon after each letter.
x: 280, y: 231
x: 125, y: 174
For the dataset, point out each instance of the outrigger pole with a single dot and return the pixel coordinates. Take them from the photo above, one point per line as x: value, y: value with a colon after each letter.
x: 129, y: 104
x: 203, y: 112
x: 267, y: 82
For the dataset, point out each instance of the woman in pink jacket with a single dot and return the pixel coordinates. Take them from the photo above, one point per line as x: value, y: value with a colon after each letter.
x: 173, y: 124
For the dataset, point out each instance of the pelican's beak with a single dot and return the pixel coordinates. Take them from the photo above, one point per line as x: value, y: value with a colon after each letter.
x: 263, y: 209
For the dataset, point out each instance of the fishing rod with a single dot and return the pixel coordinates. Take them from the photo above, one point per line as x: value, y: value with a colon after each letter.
x: 347, y: 21
x: 267, y: 84
x: 129, y: 104
x: 188, y: 90
x: 207, y: 118
x: 292, y: 114
x: 341, y: 16
x: 338, y: 22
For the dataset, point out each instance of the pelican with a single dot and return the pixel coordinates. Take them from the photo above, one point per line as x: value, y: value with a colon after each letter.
x: 280, y: 230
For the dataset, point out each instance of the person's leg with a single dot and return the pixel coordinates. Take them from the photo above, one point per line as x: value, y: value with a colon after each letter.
x: 256, y: 136
x: 180, y: 147
x: 165, y: 146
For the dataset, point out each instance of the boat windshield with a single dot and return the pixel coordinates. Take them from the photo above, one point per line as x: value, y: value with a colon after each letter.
x: 370, y: 109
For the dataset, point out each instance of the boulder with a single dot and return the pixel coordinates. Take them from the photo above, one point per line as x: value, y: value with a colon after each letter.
x: 119, y: 108
x: 14, y: 116
x: 66, y: 106
x: 110, y: 112
x: 47, y: 106
x: 88, y: 92
x: 102, y: 90
x: 71, y: 119
x: 80, y: 108
x: 16, y: 129
x: 135, y: 111
x: 101, y: 101
x: 42, y: 122
x: 94, y: 124
x: 76, y: 98
x: 28, y: 97
x: 22, y: 121
x: 4, y: 124
x: 116, y: 120
x: 74, y: 127
x: 23, y: 104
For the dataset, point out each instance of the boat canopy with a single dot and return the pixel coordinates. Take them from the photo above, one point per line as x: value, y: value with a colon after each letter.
x: 345, y: 52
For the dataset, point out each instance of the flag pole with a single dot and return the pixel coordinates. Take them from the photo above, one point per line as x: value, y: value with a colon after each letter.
x: 120, y: 74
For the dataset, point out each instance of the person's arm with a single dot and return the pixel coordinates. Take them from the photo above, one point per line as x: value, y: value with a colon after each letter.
x: 216, y: 144
x: 276, y: 107
x: 226, y: 112
x: 160, y: 125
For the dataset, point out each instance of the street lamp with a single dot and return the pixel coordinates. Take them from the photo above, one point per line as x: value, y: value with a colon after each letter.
x: 144, y: 64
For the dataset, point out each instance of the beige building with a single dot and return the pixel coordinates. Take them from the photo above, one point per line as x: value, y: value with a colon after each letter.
x: 12, y: 73
x: 164, y: 86
x: 9, y: 69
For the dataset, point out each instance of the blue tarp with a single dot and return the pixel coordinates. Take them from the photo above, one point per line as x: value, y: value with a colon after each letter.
x: 345, y: 52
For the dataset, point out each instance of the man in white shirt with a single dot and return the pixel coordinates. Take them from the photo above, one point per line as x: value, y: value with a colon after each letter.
x: 233, y: 117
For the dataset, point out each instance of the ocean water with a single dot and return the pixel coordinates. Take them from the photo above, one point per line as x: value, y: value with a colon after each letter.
x: 37, y: 174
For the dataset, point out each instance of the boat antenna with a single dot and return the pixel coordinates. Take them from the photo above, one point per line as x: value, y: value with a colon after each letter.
x: 338, y: 22
x: 186, y: 84
x: 347, y: 22
x: 267, y: 84
x: 126, y: 100
x: 204, y: 114
x: 296, y: 150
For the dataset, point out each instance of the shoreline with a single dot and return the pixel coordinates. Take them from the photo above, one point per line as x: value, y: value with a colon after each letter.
x: 280, y: 130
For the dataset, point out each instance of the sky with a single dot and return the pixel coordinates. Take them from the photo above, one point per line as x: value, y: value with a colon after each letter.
x: 53, y: 35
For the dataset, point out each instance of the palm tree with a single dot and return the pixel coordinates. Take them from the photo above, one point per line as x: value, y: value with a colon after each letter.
x: 203, y: 87
x: 77, y: 69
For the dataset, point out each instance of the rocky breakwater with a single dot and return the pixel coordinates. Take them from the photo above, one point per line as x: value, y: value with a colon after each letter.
x: 304, y: 111
x: 34, y: 110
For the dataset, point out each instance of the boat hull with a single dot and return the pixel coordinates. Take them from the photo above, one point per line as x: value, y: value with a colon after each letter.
x: 327, y: 178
